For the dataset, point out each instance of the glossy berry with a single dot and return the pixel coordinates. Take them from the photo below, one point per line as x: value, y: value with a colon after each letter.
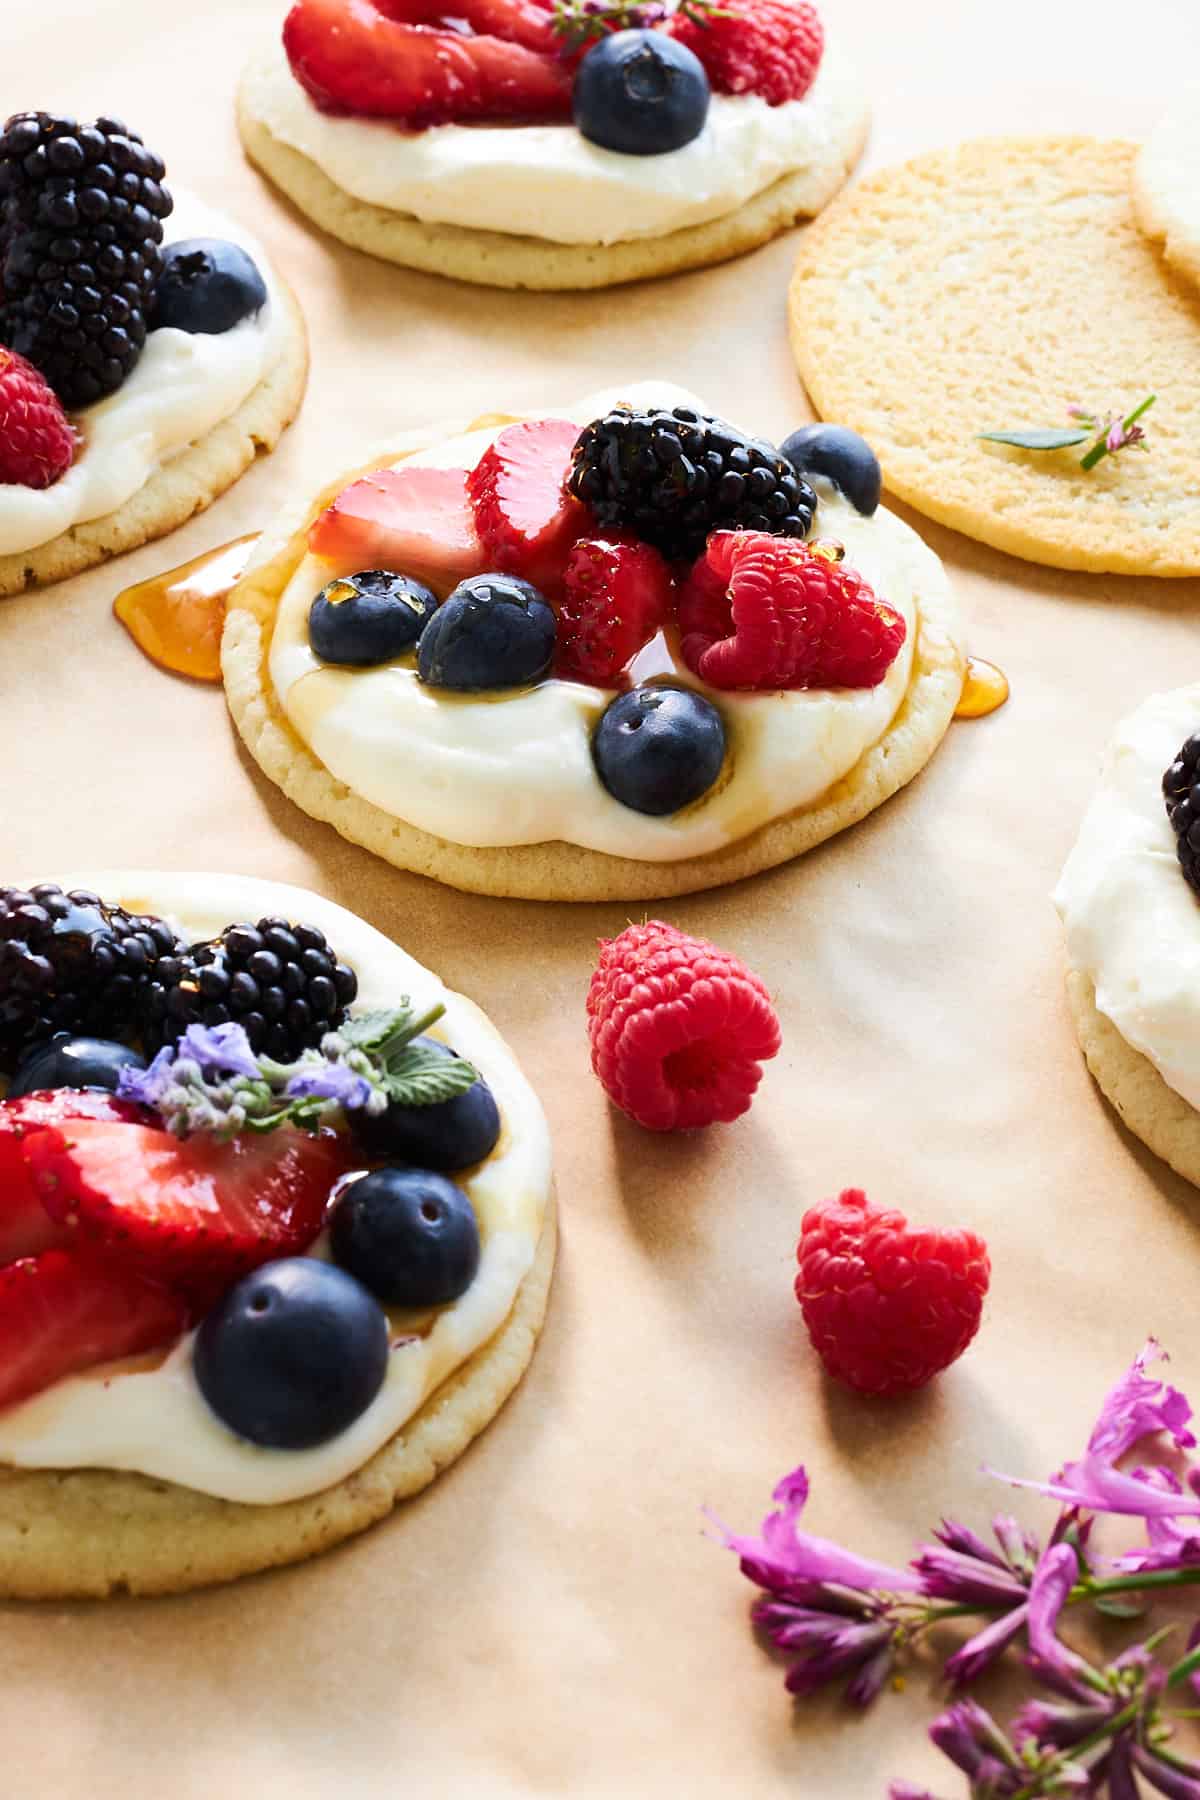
x: 771, y: 48
x: 678, y: 1028
x: 842, y: 457
x: 887, y: 1306
x: 641, y: 93
x: 207, y: 286
x: 369, y: 618
x: 1181, y: 793
x: 293, y: 1354
x: 494, y: 631
x: 37, y: 443
x: 657, y: 749
x: 454, y: 1134
x: 617, y: 592
x: 68, y: 1062
x: 408, y: 1235
x: 524, y: 516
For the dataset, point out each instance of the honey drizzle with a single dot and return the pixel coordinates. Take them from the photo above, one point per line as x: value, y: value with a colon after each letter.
x: 985, y: 690
x: 176, y: 618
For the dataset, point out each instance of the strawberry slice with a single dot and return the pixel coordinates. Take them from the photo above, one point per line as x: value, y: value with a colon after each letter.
x: 415, y: 521
x: 525, y: 518
x: 356, y: 56
x: 617, y: 593
x: 196, y: 1214
x: 528, y: 22
x: 25, y: 1226
x: 66, y: 1310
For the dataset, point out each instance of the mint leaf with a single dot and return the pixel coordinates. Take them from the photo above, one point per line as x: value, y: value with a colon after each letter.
x: 371, y: 1031
x: 1034, y: 439
x: 419, y: 1077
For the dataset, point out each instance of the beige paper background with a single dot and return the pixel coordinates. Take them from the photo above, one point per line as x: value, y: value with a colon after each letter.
x: 548, y: 1619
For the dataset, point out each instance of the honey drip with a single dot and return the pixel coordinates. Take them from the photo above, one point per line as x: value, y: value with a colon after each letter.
x: 984, y: 690
x: 176, y: 618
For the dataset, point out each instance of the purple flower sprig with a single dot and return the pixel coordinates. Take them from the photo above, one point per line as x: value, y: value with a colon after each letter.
x: 212, y: 1081
x: 581, y: 23
x: 1105, y: 434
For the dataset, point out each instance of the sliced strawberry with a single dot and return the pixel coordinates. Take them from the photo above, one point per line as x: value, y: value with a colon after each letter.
x: 525, y: 518
x: 528, y: 22
x: 356, y: 56
x: 617, y: 594
x: 415, y: 521
x: 197, y: 1214
x: 25, y: 1226
x: 66, y: 1310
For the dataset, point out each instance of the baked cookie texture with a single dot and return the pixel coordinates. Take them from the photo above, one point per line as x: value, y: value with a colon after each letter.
x: 1166, y: 185
x: 988, y: 287
x: 186, y: 484
x: 498, y: 259
x: 1132, y: 1085
x: 558, y: 871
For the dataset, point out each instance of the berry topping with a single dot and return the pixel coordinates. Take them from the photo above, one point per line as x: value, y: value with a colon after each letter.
x: 65, y: 1311
x: 617, y: 592
x: 207, y: 286
x: 678, y: 1028
x: 409, y: 1236
x: 68, y: 962
x: 761, y: 614
x: 37, y: 445
x: 293, y: 1355
x: 767, y: 47
x: 73, y: 1062
x: 282, y: 983
x: 390, y: 59
x: 887, y: 1306
x: 369, y: 618
x: 842, y: 457
x: 525, y: 518
x: 657, y: 749
x: 197, y: 1214
x: 449, y: 1135
x: 672, y: 477
x: 1181, y: 792
x: 414, y: 519
x: 494, y: 631
x: 26, y: 1228
x: 81, y: 211
x: 641, y: 93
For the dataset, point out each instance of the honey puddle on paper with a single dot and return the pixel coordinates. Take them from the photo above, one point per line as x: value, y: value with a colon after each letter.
x: 176, y: 618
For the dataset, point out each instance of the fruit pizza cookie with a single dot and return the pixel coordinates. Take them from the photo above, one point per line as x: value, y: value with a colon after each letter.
x: 276, y: 1230
x: 148, y: 350
x: 619, y: 653
x: 554, y: 143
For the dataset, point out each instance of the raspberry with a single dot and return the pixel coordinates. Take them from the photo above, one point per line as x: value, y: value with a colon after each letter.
x: 887, y: 1307
x: 37, y: 445
x: 767, y: 612
x: 767, y: 47
x: 617, y: 594
x: 677, y: 1028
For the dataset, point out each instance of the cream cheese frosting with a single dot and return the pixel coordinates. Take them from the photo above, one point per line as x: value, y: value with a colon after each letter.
x: 183, y: 385
x: 517, y: 769
x: 1132, y: 923
x: 548, y: 181
x: 155, y: 1420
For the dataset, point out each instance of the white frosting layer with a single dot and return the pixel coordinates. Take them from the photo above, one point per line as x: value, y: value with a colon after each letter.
x: 183, y: 385
x: 156, y: 1420
x: 1132, y: 922
x: 518, y: 769
x: 548, y: 181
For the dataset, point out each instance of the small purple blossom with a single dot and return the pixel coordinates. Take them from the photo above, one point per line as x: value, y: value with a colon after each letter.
x: 147, y: 1087
x: 330, y: 1081
x: 783, y: 1556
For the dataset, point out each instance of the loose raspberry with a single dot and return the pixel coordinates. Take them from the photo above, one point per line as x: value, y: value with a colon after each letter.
x: 887, y: 1307
x: 766, y: 612
x: 678, y: 1028
x: 37, y: 444
x: 767, y: 47
x: 617, y: 594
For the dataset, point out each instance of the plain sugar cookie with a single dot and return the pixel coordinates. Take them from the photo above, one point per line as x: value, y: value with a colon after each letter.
x: 1166, y: 184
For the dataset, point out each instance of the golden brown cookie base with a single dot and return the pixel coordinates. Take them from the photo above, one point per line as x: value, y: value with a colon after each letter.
x: 1132, y: 1085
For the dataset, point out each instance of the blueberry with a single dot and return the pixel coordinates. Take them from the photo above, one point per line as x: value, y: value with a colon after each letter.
x: 368, y: 618
x: 67, y: 1062
x: 207, y: 286
x: 657, y: 749
x: 494, y: 631
x: 843, y: 457
x: 641, y: 93
x: 293, y: 1354
x: 407, y: 1234
x: 454, y: 1134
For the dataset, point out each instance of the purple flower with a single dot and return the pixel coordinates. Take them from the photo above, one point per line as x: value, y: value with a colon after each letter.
x: 330, y: 1081
x: 904, y: 1790
x: 1178, y: 1779
x: 219, y: 1050
x: 148, y: 1087
x: 1055, y: 1576
x: 784, y: 1557
x: 979, y: 1652
x: 838, y: 1634
x: 963, y: 1568
x: 974, y: 1743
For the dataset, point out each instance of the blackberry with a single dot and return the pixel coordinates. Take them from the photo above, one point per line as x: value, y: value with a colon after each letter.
x: 1181, y: 791
x: 672, y: 477
x: 280, y: 982
x: 81, y: 211
x: 71, y: 963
